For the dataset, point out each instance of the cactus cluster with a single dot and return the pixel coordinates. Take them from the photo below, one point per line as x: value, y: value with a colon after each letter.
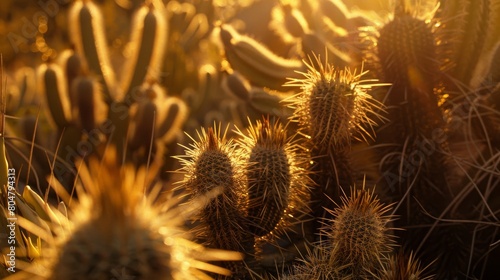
x: 292, y: 112
x: 260, y: 184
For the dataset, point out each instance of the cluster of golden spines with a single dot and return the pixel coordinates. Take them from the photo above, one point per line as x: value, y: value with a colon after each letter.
x: 316, y: 266
x: 359, y: 231
x: 402, y: 267
x: 356, y: 243
x: 334, y: 105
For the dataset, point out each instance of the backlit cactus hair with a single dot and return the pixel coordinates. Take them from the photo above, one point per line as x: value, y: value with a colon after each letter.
x: 360, y: 233
x: 359, y: 241
x: 115, y: 231
x: 334, y: 105
x: 212, y: 164
x: 277, y: 178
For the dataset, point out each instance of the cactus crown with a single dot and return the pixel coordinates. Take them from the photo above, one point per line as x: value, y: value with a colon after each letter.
x: 401, y: 266
x: 334, y: 105
x: 360, y: 231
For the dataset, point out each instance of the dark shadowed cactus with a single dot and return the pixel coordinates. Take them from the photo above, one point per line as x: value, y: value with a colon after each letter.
x: 413, y: 145
x: 89, y: 107
x: 53, y: 87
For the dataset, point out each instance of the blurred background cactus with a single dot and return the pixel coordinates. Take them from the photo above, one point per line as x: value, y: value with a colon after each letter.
x: 303, y: 139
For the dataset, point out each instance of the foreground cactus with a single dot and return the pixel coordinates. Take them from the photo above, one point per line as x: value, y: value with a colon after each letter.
x: 117, y: 231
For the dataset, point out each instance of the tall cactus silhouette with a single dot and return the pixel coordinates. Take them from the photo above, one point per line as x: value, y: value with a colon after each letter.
x: 413, y: 145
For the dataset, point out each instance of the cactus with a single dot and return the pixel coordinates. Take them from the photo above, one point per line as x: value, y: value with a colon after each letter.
x: 277, y: 180
x: 109, y: 233
x: 359, y: 234
x: 359, y: 243
x: 426, y: 136
x: 333, y: 109
x: 257, y: 63
x: 148, y: 39
x: 213, y: 165
x: 54, y: 90
x: 90, y: 41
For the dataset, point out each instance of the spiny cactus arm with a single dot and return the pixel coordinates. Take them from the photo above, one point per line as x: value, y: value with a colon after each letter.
x: 360, y: 232
x: 53, y: 86
x: 256, y: 62
x: 87, y: 34
x: 148, y: 43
